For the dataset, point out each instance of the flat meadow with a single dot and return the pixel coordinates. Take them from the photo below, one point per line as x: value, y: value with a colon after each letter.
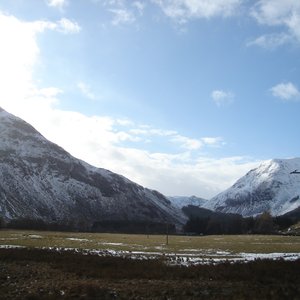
x: 68, y: 265
x: 196, y: 248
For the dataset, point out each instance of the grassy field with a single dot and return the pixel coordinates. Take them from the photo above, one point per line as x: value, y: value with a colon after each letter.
x: 191, y: 245
x: 34, y: 273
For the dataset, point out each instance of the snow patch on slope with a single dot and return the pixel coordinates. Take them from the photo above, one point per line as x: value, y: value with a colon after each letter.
x: 181, y: 201
x: 270, y: 187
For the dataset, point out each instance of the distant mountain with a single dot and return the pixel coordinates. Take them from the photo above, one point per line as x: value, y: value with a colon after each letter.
x: 270, y: 187
x: 181, y: 201
x: 39, y: 179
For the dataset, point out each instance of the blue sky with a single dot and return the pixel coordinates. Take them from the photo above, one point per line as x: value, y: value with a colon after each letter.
x: 180, y: 96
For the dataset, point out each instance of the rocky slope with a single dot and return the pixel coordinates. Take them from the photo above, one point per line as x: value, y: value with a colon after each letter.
x: 38, y: 179
x: 270, y: 187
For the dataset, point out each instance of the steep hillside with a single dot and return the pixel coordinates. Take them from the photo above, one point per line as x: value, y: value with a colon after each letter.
x: 38, y: 179
x: 270, y: 187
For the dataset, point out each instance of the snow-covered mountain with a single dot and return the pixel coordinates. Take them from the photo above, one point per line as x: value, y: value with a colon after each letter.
x: 38, y: 179
x: 270, y: 187
x: 181, y: 201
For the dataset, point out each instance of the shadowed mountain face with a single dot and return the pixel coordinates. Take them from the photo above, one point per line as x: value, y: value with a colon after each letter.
x: 270, y: 187
x: 38, y: 179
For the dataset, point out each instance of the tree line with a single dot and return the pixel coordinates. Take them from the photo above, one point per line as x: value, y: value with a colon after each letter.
x: 111, y: 226
x: 236, y: 224
x: 201, y: 221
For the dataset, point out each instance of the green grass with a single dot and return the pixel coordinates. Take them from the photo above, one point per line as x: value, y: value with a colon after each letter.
x: 153, y: 243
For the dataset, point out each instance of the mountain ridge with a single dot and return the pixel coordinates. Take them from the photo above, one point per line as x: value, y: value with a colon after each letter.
x: 39, y: 179
x: 270, y: 187
x: 182, y: 201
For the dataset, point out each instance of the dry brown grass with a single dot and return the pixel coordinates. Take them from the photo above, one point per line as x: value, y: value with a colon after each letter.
x: 42, y: 274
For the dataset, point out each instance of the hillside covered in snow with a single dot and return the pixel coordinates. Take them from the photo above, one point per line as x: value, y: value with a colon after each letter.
x: 182, y: 201
x: 39, y: 179
x: 270, y: 187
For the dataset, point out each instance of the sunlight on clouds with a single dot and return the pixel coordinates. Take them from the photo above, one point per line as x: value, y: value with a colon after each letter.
x: 286, y: 91
x: 101, y: 140
x: 19, y: 54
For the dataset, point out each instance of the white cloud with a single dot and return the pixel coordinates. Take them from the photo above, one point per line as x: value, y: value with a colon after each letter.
x: 174, y: 137
x: 221, y: 97
x: 140, y: 6
x: 124, y: 12
x: 278, y: 13
x: 213, y: 141
x: 86, y: 90
x: 67, y: 26
x: 101, y: 140
x: 57, y: 3
x: 286, y: 91
x: 19, y: 55
x: 122, y: 16
x: 184, y: 10
x: 271, y: 41
x: 64, y: 26
x: 187, y: 143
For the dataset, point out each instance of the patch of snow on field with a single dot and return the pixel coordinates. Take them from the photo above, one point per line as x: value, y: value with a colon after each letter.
x: 78, y: 240
x: 11, y: 246
x: 208, y: 256
x: 274, y: 256
x: 35, y: 236
x: 160, y: 247
x: 112, y: 244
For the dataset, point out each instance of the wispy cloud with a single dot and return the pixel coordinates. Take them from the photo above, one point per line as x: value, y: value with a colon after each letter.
x: 213, y: 141
x: 139, y: 6
x: 286, y: 91
x: 277, y: 13
x: 187, y: 143
x: 63, y: 25
x: 85, y: 89
x: 122, y: 16
x: 184, y: 142
x: 221, y: 97
x: 67, y: 26
x: 271, y: 41
x: 57, y: 3
x: 123, y: 12
x: 184, y: 10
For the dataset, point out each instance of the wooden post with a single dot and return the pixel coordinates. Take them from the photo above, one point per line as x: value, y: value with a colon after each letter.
x: 167, y: 236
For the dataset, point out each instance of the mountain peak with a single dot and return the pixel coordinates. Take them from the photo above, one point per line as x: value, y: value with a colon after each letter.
x: 270, y: 187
